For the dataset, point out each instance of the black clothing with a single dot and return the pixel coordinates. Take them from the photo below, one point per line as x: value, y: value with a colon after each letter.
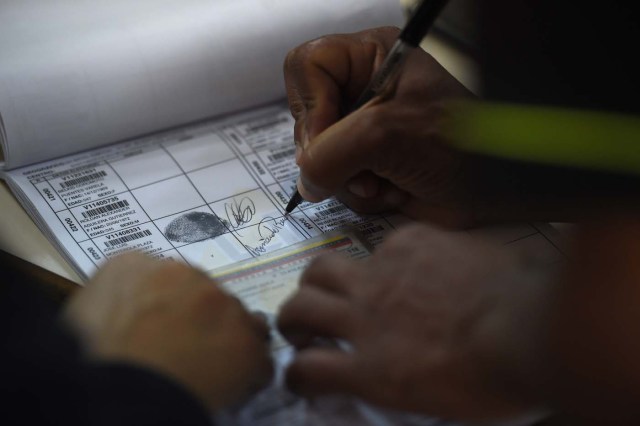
x: 563, y: 53
x: 44, y: 380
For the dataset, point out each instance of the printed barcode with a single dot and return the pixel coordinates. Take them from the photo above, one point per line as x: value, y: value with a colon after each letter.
x: 83, y: 179
x: 127, y: 238
x: 265, y: 125
x: 332, y: 210
x: 371, y: 230
x: 104, y: 209
x: 282, y: 154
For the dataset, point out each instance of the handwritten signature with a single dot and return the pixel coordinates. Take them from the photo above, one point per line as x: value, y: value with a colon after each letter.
x: 268, y: 228
x: 239, y: 212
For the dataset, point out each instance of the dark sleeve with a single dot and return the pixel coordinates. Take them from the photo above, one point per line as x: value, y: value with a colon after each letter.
x: 563, y: 53
x: 124, y: 394
x: 45, y: 380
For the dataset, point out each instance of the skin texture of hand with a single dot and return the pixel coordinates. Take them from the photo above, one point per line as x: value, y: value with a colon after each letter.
x: 173, y: 319
x: 387, y: 155
x: 435, y: 323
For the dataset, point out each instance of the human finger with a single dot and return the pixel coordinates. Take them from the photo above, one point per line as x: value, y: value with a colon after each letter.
x: 360, y: 142
x: 323, y: 74
x: 388, y: 197
x: 317, y: 371
x: 87, y: 310
x: 311, y: 313
x: 331, y: 272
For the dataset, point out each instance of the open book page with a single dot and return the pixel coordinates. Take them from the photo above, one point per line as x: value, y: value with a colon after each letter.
x: 77, y: 75
x: 209, y: 194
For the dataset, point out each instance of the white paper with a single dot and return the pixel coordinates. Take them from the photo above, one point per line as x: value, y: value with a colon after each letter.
x: 209, y: 195
x: 79, y: 74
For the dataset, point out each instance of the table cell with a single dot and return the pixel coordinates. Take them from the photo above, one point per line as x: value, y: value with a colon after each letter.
x: 146, y: 168
x: 200, y: 151
x: 168, y: 197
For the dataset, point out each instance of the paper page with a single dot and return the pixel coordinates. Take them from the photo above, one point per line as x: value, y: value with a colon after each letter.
x: 209, y: 195
x: 76, y: 75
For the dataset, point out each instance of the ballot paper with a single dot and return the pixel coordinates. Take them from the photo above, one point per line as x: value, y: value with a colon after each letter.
x: 263, y: 285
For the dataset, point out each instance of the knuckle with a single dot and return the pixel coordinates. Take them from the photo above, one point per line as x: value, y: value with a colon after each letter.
x: 300, y: 56
x: 294, y: 59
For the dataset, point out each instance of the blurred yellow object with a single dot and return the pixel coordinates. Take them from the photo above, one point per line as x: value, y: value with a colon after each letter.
x: 599, y: 141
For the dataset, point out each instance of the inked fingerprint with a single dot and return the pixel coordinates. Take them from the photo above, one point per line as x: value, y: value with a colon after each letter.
x: 194, y: 226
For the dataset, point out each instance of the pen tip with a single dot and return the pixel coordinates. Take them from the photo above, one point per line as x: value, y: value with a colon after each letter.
x: 293, y: 203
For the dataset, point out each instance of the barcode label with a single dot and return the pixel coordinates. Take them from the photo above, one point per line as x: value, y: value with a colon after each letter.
x: 332, y: 210
x: 372, y: 230
x: 83, y: 179
x: 282, y: 154
x: 127, y: 238
x: 104, y: 209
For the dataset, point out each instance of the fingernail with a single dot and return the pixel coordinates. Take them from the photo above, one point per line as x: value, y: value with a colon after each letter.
x: 357, y: 189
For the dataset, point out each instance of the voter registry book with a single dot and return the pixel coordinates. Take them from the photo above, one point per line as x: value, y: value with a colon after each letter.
x: 161, y: 126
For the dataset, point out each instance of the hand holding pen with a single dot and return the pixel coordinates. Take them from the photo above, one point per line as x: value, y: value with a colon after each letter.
x: 382, y: 83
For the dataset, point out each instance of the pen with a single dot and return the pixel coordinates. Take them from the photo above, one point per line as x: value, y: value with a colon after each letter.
x: 383, y: 81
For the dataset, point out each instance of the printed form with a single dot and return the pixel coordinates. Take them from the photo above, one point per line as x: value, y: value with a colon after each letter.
x: 213, y: 195
x: 209, y: 194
